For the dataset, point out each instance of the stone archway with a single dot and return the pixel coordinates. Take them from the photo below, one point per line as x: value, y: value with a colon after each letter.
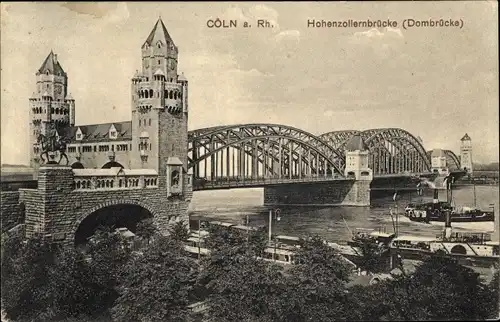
x: 116, y: 214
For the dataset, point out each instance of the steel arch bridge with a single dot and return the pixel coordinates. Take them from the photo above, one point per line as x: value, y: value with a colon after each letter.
x: 392, y: 150
x: 452, y: 161
x: 260, y: 154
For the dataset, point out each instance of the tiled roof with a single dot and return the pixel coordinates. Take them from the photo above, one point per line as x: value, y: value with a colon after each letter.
x: 100, y: 132
x: 356, y: 143
x: 52, y: 65
x: 159, y: 32
x: 437, y: 153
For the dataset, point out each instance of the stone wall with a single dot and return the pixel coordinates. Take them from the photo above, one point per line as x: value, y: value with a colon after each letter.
x: 57, y: 210
x: 10, y: 210
x: 335, y: 193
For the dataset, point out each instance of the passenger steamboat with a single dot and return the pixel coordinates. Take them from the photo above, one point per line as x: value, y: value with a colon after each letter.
x: 436, y: 211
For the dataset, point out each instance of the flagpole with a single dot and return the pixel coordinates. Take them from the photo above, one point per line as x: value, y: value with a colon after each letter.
x: 397, y: 215
x: 270, y: 224
x: 248, y: 231
x: 199, y: 239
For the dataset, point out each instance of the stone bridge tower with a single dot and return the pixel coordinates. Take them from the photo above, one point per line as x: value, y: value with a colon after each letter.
x: 52, y: 109
x: 159, y: 108
x: 69, y: 203
x: 466, y: 154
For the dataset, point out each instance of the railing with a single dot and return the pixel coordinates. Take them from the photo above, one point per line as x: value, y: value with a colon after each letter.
x: 221, y: 182
x: 401, y: 174
x: 114, y: 179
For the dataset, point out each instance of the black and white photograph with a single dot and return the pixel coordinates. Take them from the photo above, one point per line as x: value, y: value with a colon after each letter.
x: 249, y: 161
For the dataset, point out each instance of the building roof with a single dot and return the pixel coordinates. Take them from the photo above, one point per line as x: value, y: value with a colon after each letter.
x: 437, y: 153
x: 159, y: 32
x: 356, y: 143
x: 466, y: 137
x: 100, y: 132
x: 51, y: 64
x: 174, y: 161
x: 181, y: 77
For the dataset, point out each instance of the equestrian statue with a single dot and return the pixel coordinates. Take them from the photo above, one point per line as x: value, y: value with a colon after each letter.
x: 51, y: 144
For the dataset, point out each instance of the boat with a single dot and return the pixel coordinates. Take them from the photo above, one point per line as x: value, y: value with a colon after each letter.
x: 466, y: 244
x: 361, y: 236
x: 476, y: 249
x: 436, y: 211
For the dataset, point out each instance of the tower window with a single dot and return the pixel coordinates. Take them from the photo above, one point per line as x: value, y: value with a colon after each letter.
x: 139, y: 122
x: 149, y: 122
x: 159, y: 62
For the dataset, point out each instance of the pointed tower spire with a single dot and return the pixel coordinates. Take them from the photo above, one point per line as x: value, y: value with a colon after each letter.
x: 159, y: 32
x: 51, y: 65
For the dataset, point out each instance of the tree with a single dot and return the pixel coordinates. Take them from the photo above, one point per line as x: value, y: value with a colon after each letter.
x: 107, y: 255
x: 179, y: 231
x: 235, y: 241
x: 439, y: 289
x: 155, y: 286
x: 25, y: 265
x: 70, y: 285
x: 493, y: 293
x: 241, y: 287
x: 248, y: 289
x: 146, y: 229
x: 319, y: 279
x: 372, y: 257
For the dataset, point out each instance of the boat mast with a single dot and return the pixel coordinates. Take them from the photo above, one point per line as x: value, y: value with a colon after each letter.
x: 474, y: 187
x: 451, y: 190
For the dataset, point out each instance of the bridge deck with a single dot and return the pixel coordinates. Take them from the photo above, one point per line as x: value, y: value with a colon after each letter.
x: 249, y: 182
x: 232, y: 183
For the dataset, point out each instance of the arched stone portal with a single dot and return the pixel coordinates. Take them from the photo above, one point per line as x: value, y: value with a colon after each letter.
x: 113, y: 216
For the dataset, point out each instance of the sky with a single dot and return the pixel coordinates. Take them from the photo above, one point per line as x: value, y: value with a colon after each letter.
x: 437, y: 83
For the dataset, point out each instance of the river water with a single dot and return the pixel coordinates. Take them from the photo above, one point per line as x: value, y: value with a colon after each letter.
x: 333, y: 223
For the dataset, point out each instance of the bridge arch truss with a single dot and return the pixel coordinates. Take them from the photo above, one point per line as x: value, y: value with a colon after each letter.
x: 392, y: 150
x: 260, y: 151
x: 452, y: 161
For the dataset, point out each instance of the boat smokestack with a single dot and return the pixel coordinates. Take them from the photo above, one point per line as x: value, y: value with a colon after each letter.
x: 447, y: 224
x: 436, y: 196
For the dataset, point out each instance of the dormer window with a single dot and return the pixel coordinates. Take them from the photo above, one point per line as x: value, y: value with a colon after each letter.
x: 112, y: 132
x: 79, y: 134
x: 47, y: 72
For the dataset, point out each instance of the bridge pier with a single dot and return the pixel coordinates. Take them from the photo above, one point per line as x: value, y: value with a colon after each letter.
x: 332, y: 193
